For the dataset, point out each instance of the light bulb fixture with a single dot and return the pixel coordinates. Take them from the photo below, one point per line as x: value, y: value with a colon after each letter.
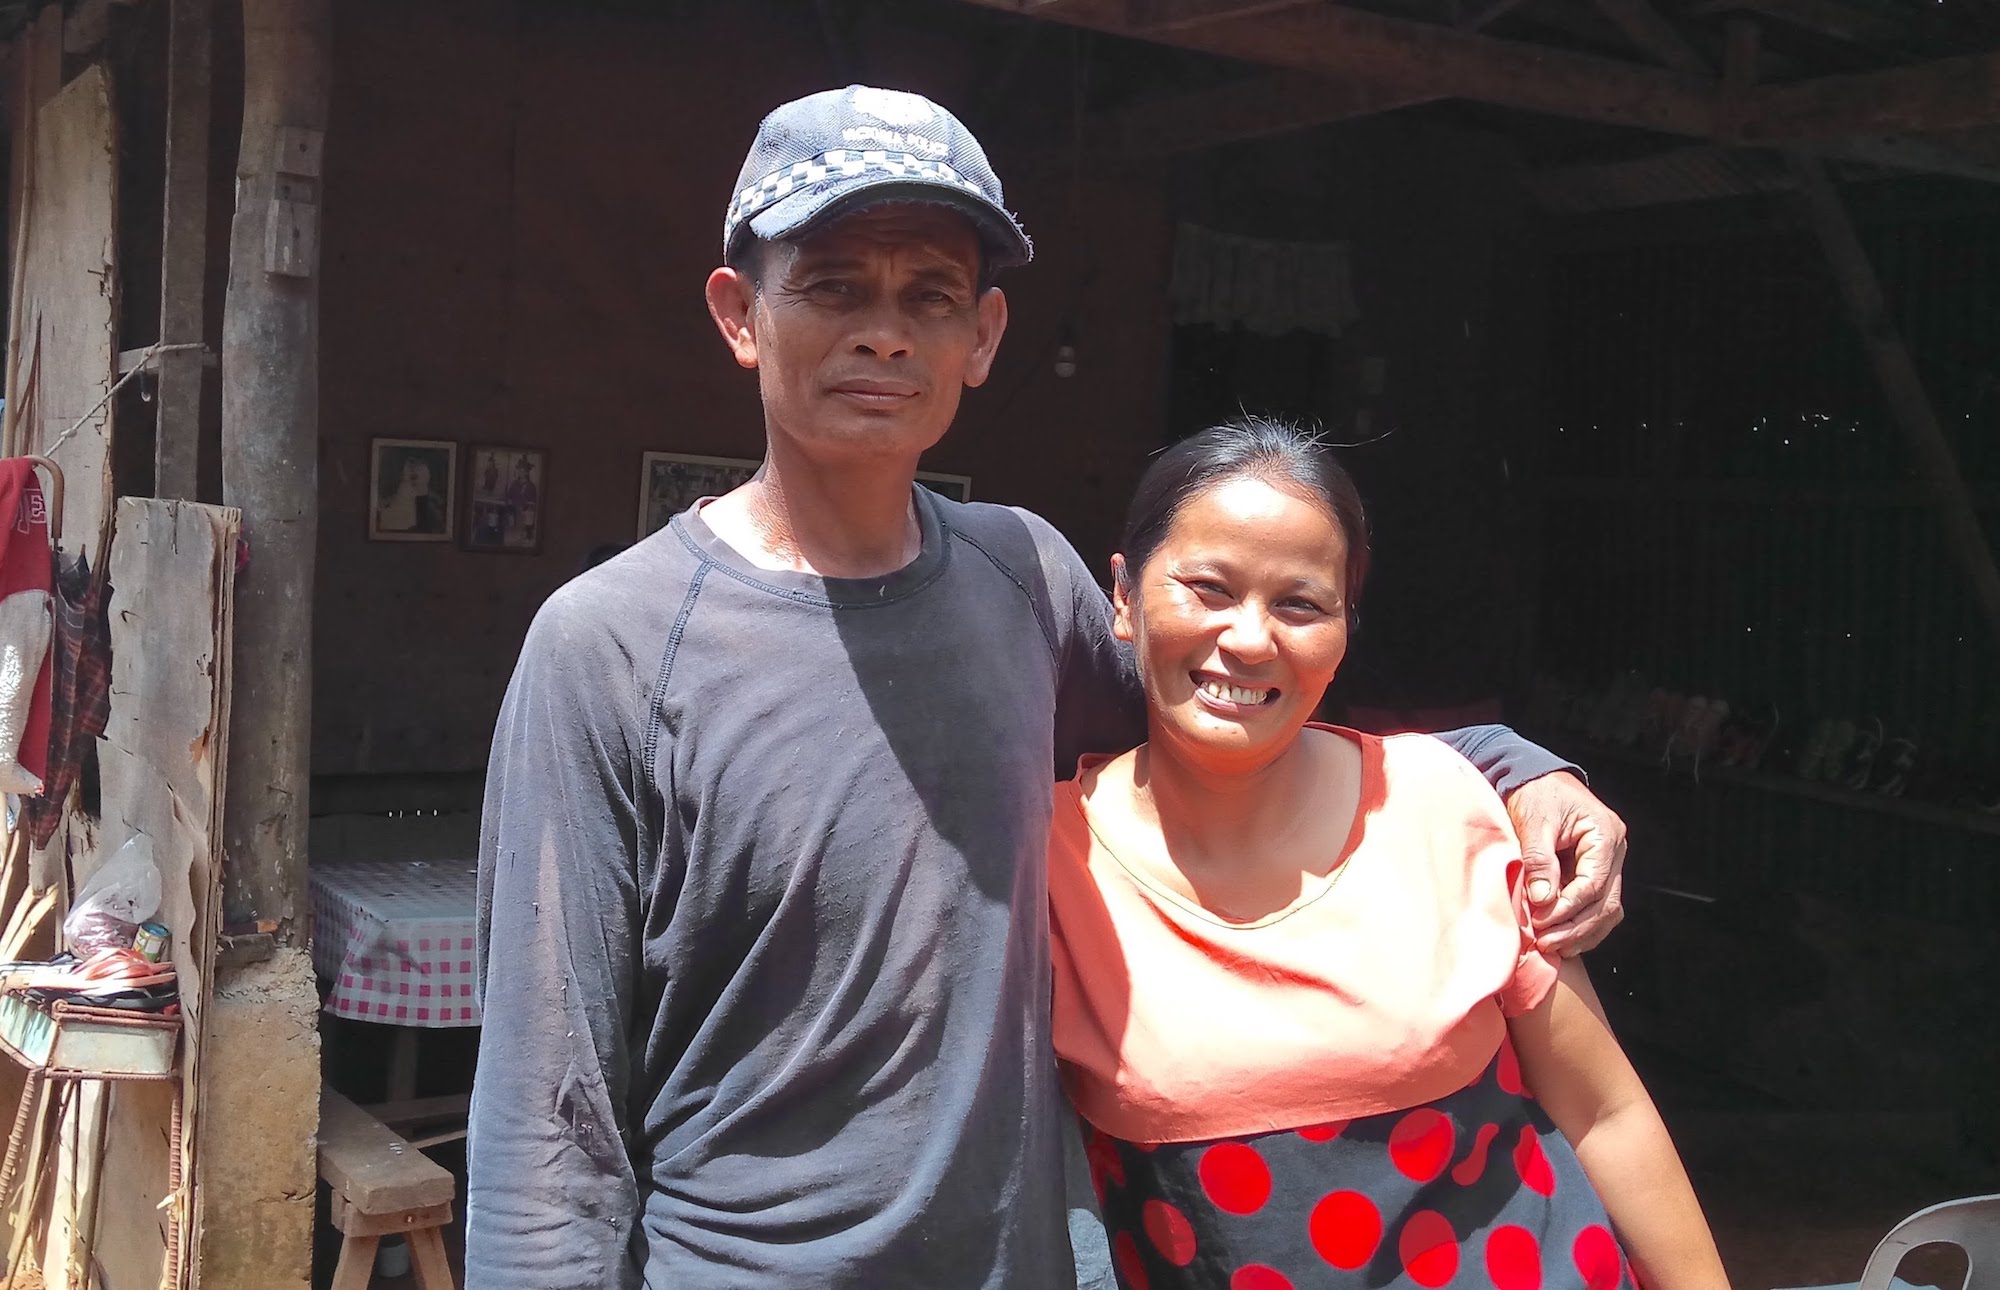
x: 1066, y: 354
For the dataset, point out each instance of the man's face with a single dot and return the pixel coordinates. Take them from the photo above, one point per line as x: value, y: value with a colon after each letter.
x: 864, y: 333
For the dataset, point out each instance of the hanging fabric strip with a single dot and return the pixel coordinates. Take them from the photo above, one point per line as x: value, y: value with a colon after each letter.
x: 1223, y: 280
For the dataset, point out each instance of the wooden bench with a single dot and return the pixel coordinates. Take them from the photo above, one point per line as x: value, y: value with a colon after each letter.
x: 382, y: 1186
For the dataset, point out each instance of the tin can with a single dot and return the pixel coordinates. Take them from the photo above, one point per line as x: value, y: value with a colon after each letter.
x: 151, y: 941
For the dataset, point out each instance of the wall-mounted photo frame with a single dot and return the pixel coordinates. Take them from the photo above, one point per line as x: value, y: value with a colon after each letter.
x: 505, y: 492
x: 670, y: 482
x: 957, y: 487
x: 412, y: 490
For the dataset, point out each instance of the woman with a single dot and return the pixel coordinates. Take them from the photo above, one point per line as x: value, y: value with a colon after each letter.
x: 1297, y: 998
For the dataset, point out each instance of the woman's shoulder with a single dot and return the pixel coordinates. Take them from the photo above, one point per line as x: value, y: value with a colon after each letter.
x: 1422, y: 773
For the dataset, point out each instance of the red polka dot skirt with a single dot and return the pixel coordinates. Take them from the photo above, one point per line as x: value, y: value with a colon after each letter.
x: 1475, y: 1190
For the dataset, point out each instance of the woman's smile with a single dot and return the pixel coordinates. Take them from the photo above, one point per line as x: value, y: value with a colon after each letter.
x: 1220, y: 694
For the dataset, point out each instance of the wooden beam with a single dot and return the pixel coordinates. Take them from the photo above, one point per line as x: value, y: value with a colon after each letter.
x: 177, y: 439
x: 1664, y: 178
x: 1902, y: 386
x: 36, y: 76
x: 1418, y: 57
x: 270, y: 451
x: 1491, y: 13
x: 1145, y: 16
x: 1900, y: 152
x: 1827, y: 17
x: 1651, y: 32
x: 1647, y: 29
x: 1424, y: 58
x: 1740, y: 56
x: 1253, y: 108
x: 1949, y: 94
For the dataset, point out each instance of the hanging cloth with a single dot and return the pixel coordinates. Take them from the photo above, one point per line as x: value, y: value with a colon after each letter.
x: 1223, y: 280
x: 25, y: 578
x: 80, y: 705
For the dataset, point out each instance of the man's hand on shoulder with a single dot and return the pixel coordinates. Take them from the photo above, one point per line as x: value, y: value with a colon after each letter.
x: 1556, y: 816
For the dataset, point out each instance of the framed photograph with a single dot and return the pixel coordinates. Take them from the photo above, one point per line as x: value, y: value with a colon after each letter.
x: 412, y: 490
x: 670, y: 482
x: 957, y: 487
x: 504, y: 491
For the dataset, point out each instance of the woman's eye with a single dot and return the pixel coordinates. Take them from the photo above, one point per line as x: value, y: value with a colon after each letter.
x: 1207, y: 588
x: 1302, y: 606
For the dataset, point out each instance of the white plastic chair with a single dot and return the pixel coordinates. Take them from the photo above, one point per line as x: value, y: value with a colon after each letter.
x: 1972, y: 1224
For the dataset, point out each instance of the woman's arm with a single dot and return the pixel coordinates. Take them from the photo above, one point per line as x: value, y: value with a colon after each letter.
x: 1584, y: 1081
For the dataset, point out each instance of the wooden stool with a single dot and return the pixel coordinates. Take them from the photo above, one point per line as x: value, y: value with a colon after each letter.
x: 382, y: 1186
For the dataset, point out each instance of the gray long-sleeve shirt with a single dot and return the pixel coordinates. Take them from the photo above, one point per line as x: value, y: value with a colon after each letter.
x: 763, y: 936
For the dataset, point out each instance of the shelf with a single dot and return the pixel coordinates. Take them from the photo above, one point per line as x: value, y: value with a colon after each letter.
x: 1585, y: 753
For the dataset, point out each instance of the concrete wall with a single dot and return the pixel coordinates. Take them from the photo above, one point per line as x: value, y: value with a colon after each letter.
x: 520, y: 210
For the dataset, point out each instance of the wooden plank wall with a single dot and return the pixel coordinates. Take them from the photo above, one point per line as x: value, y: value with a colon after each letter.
x: 68, y: 298
x: 172, y: 572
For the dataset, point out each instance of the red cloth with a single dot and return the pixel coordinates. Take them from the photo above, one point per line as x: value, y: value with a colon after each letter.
x: 25, y: 566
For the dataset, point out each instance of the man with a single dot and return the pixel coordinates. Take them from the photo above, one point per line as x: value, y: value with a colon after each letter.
x: 764, y: 947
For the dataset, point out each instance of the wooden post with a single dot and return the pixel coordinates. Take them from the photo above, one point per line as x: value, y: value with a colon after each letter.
x: 1902, y: 386
x: 270, y: 428
x: 184, y: 251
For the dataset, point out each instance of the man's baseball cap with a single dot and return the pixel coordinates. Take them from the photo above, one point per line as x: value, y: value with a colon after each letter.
x: 830, y: 153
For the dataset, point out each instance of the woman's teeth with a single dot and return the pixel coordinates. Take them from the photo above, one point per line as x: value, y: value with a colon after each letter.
x: 1233, y: 693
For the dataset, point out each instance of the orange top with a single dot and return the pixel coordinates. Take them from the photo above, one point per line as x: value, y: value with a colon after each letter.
x: 1385, y: 989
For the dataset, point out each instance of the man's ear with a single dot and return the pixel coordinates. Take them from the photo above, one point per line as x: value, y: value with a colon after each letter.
x: 732, y: 302
x: 1122, y: 610
x: 992, y: 326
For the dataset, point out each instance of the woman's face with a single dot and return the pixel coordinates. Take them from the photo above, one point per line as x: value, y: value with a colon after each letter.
x: 416, y: 476
x: 1239, y: 620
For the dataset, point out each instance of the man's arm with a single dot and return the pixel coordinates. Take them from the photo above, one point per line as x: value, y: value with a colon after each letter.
x: 1554, y: 814
x: 1099, y: 705
x: 552, y: 1199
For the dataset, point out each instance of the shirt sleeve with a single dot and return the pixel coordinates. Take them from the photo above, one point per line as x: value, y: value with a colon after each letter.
x: 552, y: 1198
x: 1505, y: 758
x: 1099, y: 705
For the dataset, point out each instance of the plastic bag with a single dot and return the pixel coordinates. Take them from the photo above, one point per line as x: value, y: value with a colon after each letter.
x: 123, y: 893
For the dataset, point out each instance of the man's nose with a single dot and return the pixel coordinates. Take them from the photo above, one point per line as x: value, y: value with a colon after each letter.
x: 883, y: 332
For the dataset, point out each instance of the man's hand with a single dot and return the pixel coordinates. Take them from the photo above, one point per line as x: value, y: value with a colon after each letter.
x: 1555, y: 814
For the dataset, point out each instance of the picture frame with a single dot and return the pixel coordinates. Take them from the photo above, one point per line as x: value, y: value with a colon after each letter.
x: 506, y: 498
x: 957, y: 487
x: 670, y: 482
x: 412, y: 490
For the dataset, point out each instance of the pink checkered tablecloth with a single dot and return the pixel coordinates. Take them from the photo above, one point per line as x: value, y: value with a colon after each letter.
x: 395, y: 939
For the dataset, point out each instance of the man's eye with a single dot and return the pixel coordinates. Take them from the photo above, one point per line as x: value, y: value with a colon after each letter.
x: 1208, y: 588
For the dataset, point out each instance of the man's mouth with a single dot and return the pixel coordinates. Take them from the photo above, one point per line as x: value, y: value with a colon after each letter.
x: 1242, y: 695
x: 876, y: 392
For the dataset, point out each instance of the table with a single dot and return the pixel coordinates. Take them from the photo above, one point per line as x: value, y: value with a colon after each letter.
x: 395, y: 939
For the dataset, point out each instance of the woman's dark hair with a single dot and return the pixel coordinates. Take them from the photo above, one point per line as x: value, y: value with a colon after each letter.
x: 1263, y: 448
